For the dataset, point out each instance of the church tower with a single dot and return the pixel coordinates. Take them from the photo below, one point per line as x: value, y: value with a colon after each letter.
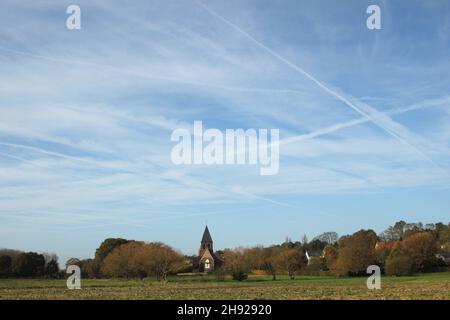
x: 207, y: 242
x: 207, y: 260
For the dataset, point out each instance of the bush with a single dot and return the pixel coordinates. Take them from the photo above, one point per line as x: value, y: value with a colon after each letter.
x: 315, y: 266
x: 399, y: 264
x: 236, y: 263
x: 5, y: 266
x: 239, y: 276
x: 220, y: 274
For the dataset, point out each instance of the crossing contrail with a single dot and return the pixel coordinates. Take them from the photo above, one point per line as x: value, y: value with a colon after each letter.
x: 339, y: 126
x: 327, y: 89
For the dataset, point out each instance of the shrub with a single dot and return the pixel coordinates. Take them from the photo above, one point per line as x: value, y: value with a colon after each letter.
x: 399, y: 264
x: 5, y: 266
x: 239, y: 276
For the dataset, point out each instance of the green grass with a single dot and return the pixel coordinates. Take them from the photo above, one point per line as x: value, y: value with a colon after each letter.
x: 428, y: 286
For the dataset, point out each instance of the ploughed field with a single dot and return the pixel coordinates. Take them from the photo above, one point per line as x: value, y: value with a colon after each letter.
x: 428, y: 286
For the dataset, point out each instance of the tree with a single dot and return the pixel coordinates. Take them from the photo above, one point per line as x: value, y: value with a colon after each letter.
x: 236, y: 264
x: 315, y: 245
x: 304, y: 240
x: 49, y: 257
x: 164, y: 260
x: 330, y: 254
x: 107, y: 246
x: 10, y: 253
x: 395, y: 232
x: 269, y: 261
x: 139, y: 259
x: 5, y: 266
x: 29, y: 264
x: 92, y: 268
x: 421, y: 248
x: 52, y: 269
x: 329, y: 237
x: 290, y: 260
x: 126, y: 261
x: 356, y: 253
x: 399, y: 263
x: 442, y: 232
x: 315, y: 266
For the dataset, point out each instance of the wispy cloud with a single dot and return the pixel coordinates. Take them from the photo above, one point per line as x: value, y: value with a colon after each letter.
x: 86, y: 117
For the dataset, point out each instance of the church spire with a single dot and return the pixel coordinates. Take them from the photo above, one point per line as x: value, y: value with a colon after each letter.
x: 207, y: 242
x: 206, y: 236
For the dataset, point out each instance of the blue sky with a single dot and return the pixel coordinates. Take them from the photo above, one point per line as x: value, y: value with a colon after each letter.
x: 86, y: 118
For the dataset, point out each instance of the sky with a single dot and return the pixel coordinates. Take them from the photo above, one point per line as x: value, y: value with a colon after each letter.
x: 86, y: 118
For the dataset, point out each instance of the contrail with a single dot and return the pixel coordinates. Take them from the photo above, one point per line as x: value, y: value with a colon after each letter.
x: 7, y: 155
x: 232, y: 88
x: 351, y: 123
x: 316, y: 81
x: 50, y: 153
x: 150, y: 76
x: 195, y: 184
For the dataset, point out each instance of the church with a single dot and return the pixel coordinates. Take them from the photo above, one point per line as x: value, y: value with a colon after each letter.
x: 207, y: 260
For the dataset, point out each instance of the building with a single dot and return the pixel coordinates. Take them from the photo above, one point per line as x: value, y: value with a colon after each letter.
x: 314, y: 255
x: 207, y: 260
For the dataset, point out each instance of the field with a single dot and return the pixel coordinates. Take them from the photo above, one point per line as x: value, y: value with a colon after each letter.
x: 430, y: 286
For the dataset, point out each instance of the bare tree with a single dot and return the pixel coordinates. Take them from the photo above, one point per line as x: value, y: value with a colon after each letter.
x: 290, y: 260
x: 329, y: 237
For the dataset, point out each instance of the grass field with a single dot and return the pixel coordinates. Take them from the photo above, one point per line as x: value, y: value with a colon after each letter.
x: 430, y: 286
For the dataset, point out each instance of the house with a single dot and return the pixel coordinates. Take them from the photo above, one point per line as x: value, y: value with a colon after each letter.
x: 314, y: 254
x: 207, y: 261
x: 445, y: 257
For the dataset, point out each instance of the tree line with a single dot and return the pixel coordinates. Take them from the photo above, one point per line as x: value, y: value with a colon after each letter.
x: 402, y: 249
x: 15, y: 263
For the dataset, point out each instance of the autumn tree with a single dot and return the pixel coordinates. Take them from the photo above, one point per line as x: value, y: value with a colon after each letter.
x: 399, y: 263
x: 163, y: 260
x: 421, y: 248
x: 92, y: 268
x: 126, y: 261
x: 330, y: 254
x: 289, y: 260
x: 356, y: 253
x: 139, y: 259
x: 269, y: 260
x: 236, y: 263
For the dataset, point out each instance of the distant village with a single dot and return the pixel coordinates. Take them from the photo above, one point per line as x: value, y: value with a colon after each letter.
x: 402, y: 249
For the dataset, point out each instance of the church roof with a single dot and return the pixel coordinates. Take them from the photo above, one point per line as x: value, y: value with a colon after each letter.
x: 206, y: 235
